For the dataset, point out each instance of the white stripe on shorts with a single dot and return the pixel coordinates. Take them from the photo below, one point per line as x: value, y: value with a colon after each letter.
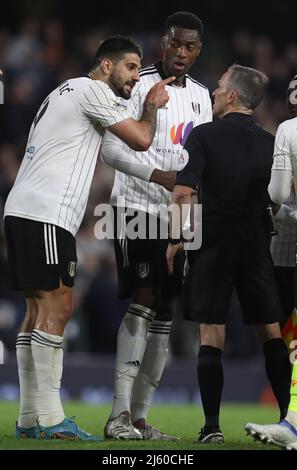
x: 50, y: 243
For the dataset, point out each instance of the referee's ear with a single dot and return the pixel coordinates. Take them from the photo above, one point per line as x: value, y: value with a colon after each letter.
x: 232, y: 97
x: 163, y: 43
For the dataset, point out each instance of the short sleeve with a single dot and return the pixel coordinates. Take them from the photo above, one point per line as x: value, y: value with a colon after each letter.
x: 101, y: 104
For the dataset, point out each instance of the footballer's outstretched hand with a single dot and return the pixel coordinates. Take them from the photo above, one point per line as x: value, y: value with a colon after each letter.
x: 158, y: 95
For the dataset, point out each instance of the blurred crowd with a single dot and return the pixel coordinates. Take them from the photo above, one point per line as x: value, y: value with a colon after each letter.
x: 34, y: 61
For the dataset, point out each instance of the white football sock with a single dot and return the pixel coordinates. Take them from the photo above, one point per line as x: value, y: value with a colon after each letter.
x: 151, y: 369
x: 48, y: 360
x: 130, y: 349
x: 28, y: 383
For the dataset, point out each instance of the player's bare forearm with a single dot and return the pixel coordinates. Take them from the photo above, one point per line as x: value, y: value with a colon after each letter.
x: 179, y: 209
x: 148, y: 119
x: 164, y: 178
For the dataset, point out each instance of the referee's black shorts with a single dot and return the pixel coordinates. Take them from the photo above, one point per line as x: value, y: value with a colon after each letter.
x: 39, y: 254
x: 142, y: 262
x: 233, y: 255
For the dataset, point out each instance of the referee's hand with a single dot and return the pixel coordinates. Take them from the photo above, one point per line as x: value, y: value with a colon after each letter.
x: 172, y: 250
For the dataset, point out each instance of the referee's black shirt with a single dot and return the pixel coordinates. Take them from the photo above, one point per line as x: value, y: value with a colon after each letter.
x: 230, y: 159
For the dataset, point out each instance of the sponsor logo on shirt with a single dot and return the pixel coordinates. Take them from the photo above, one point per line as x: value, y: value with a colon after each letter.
x: 180, y: 133
x: 169, y: 151
x: 178, y: 136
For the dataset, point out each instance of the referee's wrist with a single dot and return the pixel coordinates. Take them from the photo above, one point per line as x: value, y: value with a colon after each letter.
x: 174, y: 241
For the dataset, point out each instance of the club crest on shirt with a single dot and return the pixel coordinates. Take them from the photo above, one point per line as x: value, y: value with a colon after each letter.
x: 143, y: 270
x: 196, y: 107
x: 72, y: 268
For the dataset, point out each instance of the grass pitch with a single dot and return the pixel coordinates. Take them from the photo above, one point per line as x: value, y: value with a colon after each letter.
x: 184, y: 421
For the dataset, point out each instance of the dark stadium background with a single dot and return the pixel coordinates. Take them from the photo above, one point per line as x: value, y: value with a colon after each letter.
x: 41, y: 44
x: 278, y: 19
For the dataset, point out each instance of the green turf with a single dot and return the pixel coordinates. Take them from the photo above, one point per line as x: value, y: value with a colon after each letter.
x: 184, y: 421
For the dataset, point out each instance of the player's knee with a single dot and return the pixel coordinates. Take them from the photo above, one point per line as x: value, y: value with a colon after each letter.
x: 212, y: 335
x: 164, y: 312
x: 268, y: 331
x: 145, y: 297
x: 65, y: 301
x: 67, y: 311
x: 32, y: 310
x: 62, y: 305
x: 60, y: 313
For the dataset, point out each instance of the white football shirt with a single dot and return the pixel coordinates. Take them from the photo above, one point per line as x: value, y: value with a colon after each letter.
x: 54, y: 179
x: 283, y: 246
x: 188, y: 106
x: 285, y: 147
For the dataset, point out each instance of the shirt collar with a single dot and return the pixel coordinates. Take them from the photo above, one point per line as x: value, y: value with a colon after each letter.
x: 159, y: 67
x: 236, y: 115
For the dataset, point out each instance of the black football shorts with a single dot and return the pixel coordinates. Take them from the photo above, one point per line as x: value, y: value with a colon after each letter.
x: 39, y: 254
x: 142, y: 262
x: 232, y: 256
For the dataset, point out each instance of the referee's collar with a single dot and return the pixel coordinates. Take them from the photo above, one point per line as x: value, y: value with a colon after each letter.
x: 159, y: 67
x: 236, y: 115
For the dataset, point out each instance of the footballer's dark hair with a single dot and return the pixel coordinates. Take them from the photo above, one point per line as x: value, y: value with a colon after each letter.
x: 249, y: 84
x: 184, y: 19
x: 115, y: 47
x: 292, y: 95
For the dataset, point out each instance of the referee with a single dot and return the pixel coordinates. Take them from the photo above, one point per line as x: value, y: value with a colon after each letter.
x: 230, y: 159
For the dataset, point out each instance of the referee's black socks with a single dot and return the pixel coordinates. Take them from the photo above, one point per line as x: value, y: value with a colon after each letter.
x: 278, y: 369
x: 211, y: 380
